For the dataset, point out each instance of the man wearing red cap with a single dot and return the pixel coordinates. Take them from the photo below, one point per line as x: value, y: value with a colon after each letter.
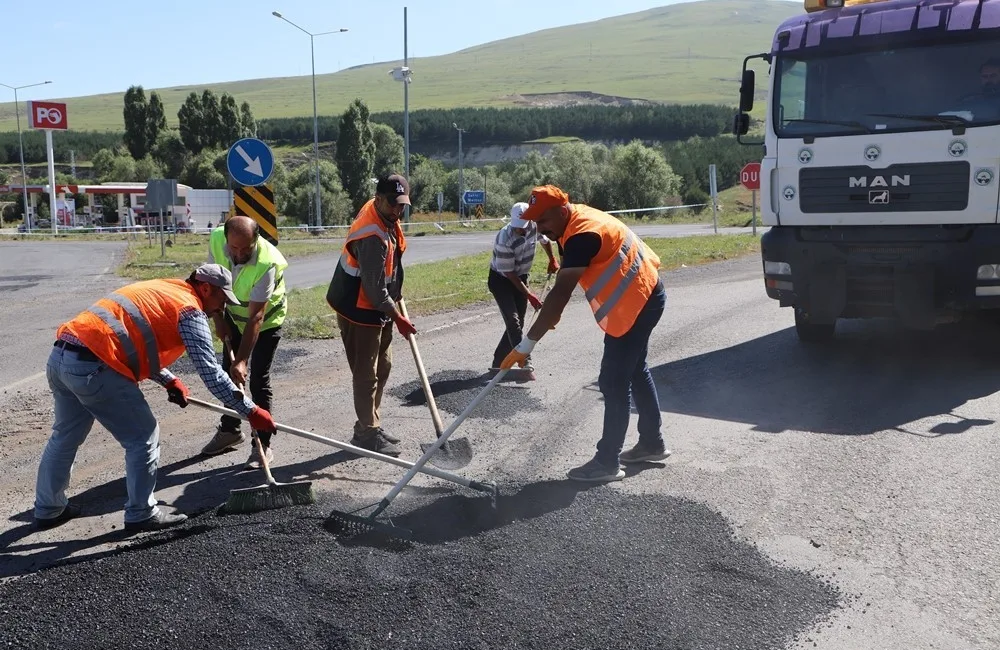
x: 620, y: 277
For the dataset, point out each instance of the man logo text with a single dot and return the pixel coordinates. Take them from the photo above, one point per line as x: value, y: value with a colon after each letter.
x: 879, y: 181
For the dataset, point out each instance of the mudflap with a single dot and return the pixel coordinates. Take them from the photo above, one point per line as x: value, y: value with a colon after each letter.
x: 827, y: 293
x: 914, y: 296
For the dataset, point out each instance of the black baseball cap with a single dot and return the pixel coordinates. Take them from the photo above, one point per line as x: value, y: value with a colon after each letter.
x: 395, y: 188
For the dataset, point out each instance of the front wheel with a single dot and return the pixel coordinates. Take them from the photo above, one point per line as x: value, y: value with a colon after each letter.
x: 809, y: 332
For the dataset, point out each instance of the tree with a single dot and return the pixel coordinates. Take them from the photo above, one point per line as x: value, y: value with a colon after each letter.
x: 202, y: 171
x: 640, y: 178
x: 576, y: 172
x: 191, y: 118
x: 136, y: 127
x: 211, y: 120
x: 356, y: 153
x: 169, y: 151
x: 427, y: 178
x: 301, y: 188
x: 248, y: 125
x: 229, y: 120
x: 156, y: 120
x: 389, y: 147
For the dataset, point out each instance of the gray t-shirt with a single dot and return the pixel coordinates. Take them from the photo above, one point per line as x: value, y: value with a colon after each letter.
x: 261, y: 291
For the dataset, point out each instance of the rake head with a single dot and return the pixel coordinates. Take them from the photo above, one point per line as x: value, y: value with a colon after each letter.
x: 355, y: 529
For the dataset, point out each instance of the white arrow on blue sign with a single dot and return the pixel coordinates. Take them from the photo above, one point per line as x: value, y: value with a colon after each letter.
x: 474, y: 197
x: 250, y: 162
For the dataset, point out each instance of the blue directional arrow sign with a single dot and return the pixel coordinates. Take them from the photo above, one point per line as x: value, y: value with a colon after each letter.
x: 474, y: 197
x: 250, y: 162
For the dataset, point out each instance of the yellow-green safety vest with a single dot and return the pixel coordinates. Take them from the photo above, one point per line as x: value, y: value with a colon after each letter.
x: 268, y: 256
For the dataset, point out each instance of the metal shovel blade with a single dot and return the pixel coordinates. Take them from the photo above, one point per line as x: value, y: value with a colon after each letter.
x: 454, y: 454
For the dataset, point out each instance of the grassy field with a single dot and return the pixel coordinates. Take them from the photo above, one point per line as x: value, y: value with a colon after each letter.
x: 682, y: 53
x: 460, y: 282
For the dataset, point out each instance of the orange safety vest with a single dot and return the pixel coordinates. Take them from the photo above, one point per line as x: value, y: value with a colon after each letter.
x: 345, y: 294
x: 621, y: 277
x: 135, y: 329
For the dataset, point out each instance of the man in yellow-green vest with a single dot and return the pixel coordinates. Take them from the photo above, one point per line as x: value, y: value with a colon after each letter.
x: 253, y: 328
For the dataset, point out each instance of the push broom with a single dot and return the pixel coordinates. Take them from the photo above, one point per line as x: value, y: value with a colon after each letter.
x: 271, y: 495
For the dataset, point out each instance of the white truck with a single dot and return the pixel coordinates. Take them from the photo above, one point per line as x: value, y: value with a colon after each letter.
x: 881, y: 161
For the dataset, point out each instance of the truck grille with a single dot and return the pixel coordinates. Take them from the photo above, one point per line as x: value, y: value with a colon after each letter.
x: 871, y: 286
x: 909, y: 187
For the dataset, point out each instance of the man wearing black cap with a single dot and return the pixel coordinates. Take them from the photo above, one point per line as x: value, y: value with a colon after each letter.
x: 366, y: 284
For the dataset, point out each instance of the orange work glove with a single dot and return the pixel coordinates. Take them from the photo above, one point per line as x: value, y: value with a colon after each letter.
x: 260, y: 420
x: 535, y: 301
x: 553, y: 266
x: 405, y: 327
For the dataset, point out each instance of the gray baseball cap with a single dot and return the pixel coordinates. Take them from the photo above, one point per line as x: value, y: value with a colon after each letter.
x: 219, y: 276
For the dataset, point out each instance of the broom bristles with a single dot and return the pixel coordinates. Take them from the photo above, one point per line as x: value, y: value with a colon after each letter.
x: 270, y: 497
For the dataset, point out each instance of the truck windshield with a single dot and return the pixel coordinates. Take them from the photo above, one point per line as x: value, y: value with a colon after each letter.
x: 911, y: 88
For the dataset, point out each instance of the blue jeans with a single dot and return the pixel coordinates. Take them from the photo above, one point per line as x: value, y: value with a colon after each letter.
x: 84, y: 391
x: 625, y: 375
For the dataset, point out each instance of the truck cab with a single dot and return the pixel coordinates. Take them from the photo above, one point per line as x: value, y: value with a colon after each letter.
x: 880, y: 165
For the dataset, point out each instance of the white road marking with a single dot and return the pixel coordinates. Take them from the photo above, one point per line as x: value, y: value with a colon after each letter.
x: 460, y: 321
x: 21, y: 382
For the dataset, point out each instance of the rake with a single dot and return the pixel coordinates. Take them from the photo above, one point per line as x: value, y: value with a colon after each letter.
x: 353, y: 524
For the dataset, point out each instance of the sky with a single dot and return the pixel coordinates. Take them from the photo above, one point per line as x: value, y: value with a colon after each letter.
x: 108, y: 45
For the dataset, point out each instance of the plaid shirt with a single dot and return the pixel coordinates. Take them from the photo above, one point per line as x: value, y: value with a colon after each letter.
x: 197, y: 337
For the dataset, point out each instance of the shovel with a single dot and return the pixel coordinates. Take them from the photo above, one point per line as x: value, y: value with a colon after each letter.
x: 452, y: 454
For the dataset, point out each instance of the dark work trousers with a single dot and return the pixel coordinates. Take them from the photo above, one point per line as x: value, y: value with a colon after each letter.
x: 513, y: 305
x: 259, y: 375
x: 625, y: 374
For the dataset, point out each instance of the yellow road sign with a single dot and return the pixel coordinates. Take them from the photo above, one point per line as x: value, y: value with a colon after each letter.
x: 258, y: 204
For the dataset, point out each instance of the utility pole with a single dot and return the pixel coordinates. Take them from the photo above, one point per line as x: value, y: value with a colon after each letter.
x: 461, y: 178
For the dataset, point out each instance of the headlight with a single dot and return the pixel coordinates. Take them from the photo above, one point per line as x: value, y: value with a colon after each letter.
x: 777, y: 268
x: 987, y: 272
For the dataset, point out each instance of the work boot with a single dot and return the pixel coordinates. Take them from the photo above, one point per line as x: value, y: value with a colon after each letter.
x: 69, y: 512
x: 643, y: 454
x: 223, y: 440
x: 254, y: 461
x: 388, y: 436
x: 361, y: 432
x: 593, y: 471
x: 378, y: 443
x: 159, y: 521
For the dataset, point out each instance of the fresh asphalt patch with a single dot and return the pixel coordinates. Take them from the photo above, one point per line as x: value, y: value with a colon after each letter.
x: 553, y: 566
x: 454, y: 390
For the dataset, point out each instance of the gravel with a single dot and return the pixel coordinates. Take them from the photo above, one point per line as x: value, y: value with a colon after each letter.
x: 454, y: 389
x: 553, y: 567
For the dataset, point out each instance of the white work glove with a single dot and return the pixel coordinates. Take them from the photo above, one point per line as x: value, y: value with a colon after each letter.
x: 519, y: 355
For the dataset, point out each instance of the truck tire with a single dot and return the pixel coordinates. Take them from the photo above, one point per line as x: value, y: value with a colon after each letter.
x: 812, y: 332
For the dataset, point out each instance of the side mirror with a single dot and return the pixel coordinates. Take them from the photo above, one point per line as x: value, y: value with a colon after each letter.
x: 746, y: 91
x: 741, y: 124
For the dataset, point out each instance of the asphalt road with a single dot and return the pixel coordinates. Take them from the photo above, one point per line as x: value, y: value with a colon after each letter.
x: 817, y: 497
x: 318, y: 269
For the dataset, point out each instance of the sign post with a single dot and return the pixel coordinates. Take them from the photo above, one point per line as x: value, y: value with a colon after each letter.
x: 49, y: 116
x: 750, y: 179
x: 712, y: 186
x: 251, y: 163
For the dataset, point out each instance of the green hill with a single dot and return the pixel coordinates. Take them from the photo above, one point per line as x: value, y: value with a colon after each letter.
x: 681, y: 53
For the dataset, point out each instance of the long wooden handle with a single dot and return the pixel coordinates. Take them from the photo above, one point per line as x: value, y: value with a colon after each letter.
x: 438, y: 426
x: 360, y: 451
x: 227, y: 345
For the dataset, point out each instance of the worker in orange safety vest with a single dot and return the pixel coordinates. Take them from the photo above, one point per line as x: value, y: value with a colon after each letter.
x: 620, y: 277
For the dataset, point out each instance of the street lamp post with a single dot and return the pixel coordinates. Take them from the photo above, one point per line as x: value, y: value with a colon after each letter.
x: 318, y: 212
x: 405, y: 75
x: 461, y: 178
x: 20, y: 142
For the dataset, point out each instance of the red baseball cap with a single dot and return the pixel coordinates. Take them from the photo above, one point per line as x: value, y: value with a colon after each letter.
x: 542, y: 198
